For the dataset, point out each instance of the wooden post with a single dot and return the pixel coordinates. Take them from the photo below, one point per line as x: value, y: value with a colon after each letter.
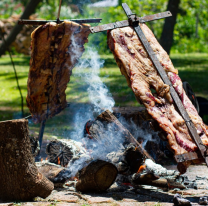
x: 20, y: 179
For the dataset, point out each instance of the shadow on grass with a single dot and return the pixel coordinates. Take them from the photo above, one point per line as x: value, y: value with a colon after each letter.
x: 188, y: 61
x: 177, y: 62
x: 62, y: 124
x: 110, y: 62
x: 19, y: 61
x: 12, y: 77
x: 197, y: 80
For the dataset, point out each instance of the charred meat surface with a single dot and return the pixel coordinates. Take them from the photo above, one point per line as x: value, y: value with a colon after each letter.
x: 56, y: 49
x: 143, y: 78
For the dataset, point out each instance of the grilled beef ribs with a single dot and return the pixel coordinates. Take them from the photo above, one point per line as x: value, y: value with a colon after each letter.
x: 55, y: 50
x: 143, y: 78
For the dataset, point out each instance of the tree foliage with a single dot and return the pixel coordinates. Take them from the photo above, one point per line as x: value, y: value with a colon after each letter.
x: 190, y: 33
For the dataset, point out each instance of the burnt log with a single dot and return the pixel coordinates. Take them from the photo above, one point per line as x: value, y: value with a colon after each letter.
x: 107, y: 118
x: 179, y: 200
x: 63, y: 150
x: 156, y: 175
x: 55, y: 173
x: 140, y: 117
x: 148, y: 179
x: 35, y: 146
x: 97, y: 176
x: 132, y: 114
x: 20, y: 179
x: 153, y: 180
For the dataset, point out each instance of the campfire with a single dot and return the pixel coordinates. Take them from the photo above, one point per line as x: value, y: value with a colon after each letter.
x: 123, y: 156
x: 125, y: 147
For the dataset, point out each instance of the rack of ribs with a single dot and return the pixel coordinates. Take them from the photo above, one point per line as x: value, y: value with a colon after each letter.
x: 143, y: 78
x: 56, y: 49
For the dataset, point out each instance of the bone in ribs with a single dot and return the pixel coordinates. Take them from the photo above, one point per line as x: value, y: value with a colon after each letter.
x: 142, y: 76
x: 55, y: 50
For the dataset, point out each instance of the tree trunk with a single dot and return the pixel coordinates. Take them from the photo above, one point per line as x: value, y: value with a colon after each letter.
x: 196, y: 26
x: 97, y: 176
x: 166, y: 39
x: 30, y: 9
x: 19, y: 179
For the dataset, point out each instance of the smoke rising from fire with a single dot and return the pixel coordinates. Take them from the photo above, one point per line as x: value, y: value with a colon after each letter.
x: 100, y: 99
x: 98, y: 93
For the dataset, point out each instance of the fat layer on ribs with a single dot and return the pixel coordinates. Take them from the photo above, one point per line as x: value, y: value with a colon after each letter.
x: 142, y: 76
x: 56, y: 49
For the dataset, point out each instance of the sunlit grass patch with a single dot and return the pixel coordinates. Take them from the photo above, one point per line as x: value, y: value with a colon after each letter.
x: 192, y: 68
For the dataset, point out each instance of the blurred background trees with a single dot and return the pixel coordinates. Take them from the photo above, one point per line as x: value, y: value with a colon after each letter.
x: 185, y: 32
x: 188, y: 43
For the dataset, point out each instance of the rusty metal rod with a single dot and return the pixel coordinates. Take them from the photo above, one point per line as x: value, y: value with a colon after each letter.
x: 59, y: 10
x: 41, y: 131
x: 16, y: 76
x: 190, y: 125
x: 41, y: 22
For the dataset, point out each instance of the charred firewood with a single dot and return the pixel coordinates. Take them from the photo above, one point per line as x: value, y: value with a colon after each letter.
x: 55, y: 173
x: 140, y: 117
x: 97, y: 131
x: 153, y: 180
x: 62, y: 151
x: 156, y: 175
x: 127, y: 160
x: 20, y: 178
x: 135, y: 172
x: 97, y: 176
x: 34, y: 145
x: 137, y: 118
x: 148, y: 179
x: 178, y: 200
x: 135, y: 114
x: 203, y: 200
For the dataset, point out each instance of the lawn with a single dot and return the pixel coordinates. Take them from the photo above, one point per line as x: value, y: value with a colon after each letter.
x: 192, y: 68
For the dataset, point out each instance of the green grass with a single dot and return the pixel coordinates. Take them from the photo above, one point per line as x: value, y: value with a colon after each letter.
x: 192, y: 68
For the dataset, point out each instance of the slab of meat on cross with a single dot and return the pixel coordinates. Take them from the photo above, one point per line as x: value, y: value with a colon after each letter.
x: 143, y: 79
x: 56, y: 49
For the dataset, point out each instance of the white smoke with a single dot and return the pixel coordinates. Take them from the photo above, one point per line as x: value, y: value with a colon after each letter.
x: 98, y: 93
x: 99, y: 97
x: 145, y: 133
x: 100, y: 100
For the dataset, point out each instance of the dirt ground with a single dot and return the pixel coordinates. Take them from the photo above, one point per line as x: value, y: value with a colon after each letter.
x: 124, y: 195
